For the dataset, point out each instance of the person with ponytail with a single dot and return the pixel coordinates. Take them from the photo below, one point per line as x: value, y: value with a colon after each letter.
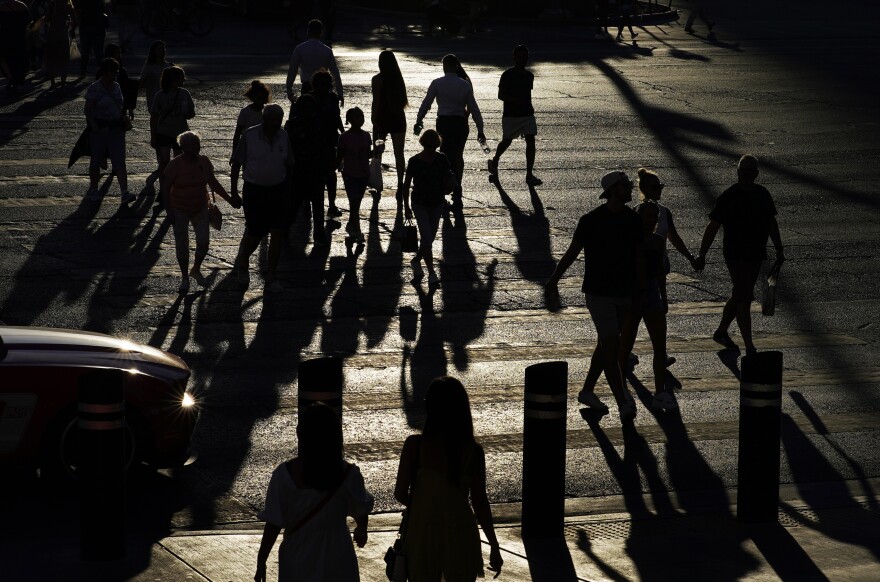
x: 250, y: 115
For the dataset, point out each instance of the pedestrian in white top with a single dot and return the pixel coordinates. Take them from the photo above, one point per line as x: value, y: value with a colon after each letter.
x: 455, y: 101
x: 309, y: 57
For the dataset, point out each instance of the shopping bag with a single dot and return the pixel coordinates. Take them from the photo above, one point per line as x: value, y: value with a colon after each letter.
x: 215, y: 217
x: 409, y: 243
x: 375, y: 179
x: 74, y: 50
x: 768, y: 296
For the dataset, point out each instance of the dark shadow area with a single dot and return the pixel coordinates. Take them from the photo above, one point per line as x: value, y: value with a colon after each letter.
x: 382, y: 271
x: 534, y: 256
x: 17, y: 120
x: 426, y: 361
x: 549, y: 560
x: 783, y: 553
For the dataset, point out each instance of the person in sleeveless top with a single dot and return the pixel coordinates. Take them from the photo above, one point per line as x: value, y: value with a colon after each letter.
x: 439, y: 471
x: 309, y: 498
x: 387, y: 112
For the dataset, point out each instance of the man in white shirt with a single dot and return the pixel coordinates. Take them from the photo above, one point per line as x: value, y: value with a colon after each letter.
x: 455, y: 101
x: 311, y: 56
x: 264, y: 151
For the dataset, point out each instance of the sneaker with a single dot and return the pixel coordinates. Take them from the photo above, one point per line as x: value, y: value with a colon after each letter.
x: 334, y: 212
x: 751, y: 351
x: 128, y: 197
x: 274, y: 286
x: 493, y: 165
x: 183, y: 288
x: 93, y: 195
x: 634, y: 35
x: 627, y: 411
x: 533, y: 180
x: 590, y: 399
x: 723, y: 338
x: 664, y: 401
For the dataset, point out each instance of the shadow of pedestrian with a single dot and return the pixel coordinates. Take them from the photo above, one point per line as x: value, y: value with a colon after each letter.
x: 382, y: 275
x: 426, y: 361
x: 534, y: 256
x: 549, y: 560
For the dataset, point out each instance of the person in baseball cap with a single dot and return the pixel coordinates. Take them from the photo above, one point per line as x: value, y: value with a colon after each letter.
x: 611, y: 179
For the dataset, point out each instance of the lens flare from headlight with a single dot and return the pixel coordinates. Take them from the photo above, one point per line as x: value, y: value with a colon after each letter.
x: 188, y: 400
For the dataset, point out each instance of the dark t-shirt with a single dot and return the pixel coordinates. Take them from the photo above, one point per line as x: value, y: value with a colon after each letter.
x: 428, y: 178
x: 745, y: 214
x: 611, y: 241
x: 516, y: 86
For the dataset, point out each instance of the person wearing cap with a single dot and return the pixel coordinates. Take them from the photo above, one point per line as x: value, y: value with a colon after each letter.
x: 265, y: 153
x: 455, y: 101
x: 611, y: 237
x: 748, y: 215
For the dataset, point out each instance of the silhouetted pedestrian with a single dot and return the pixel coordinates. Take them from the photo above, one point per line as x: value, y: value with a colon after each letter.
x: 250, y: 115
x: 353, y: 159
x: 602, y: 10
x: 264, y: 151
x: 128, y: 85
x: 387, y: 111
x: 439, y: 471
x: 624, y: 15
x: 14, y: 19
x: 60, y: 18
x: 309, y: 57
x: 309, y: 498
x: 188, y: 177
x: 518, y: 118
x: 429, y: 173
x: 700, y: 11
x: 455, y: 101
x: 611, y: 238
x: 151, y: 73
x: 172, y: 108
x: 651, y: 188
x: 309, y: 174
x: 93, y: 24
x: 330, y: 124
x: 748, y: 215
x: 104, y: 112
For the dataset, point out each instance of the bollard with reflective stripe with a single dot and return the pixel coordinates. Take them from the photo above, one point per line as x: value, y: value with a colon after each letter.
x: 546, y: 398
x: 320, y: 380
x: 760, y: 416
x: 101, y: 464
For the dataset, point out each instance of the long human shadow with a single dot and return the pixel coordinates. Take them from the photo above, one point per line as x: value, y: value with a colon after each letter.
x: 426, y: 361
x: 341, y: 332
x: 534, y: 255
x: 381, y: 269
x: 861, y: 526
x: 18, y: 119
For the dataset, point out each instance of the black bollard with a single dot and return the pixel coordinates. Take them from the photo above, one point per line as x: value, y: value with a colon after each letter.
x: 760, y: 416
x: 546, y: 399
x: 320, y: 380
x: 101, y: 464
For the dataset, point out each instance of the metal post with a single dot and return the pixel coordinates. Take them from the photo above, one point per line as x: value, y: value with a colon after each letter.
x: 760, y: 416
x: 546, y: 399
x: 101, y: 464
x: 320, y: 380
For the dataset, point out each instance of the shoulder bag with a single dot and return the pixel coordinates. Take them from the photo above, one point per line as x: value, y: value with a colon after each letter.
x: 395, y: 560
x: 410, y: 241
x: 768, y: 298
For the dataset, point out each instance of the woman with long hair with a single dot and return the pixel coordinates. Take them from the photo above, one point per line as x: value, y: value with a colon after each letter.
x: 172, y: 108
x: 250, y: 115
x: 309, y: 498
x: 387, y: 112
x: 151, y: 74
x: 60, y: 18
x: 439, y: 471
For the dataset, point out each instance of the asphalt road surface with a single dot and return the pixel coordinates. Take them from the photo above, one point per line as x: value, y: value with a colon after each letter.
x: 799, y: 92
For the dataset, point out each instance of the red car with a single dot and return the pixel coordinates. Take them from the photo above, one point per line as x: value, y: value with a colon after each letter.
x: 39, y: 368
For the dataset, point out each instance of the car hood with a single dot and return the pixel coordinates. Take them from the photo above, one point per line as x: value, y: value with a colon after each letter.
x: 63, y: 347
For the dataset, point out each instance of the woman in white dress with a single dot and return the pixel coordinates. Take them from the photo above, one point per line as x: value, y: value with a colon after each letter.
x: 309, y: 498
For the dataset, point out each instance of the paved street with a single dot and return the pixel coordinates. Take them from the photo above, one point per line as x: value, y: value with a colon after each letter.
x: 801, y: 94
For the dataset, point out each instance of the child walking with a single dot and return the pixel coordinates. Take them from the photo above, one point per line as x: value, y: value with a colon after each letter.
x: 353, y: 159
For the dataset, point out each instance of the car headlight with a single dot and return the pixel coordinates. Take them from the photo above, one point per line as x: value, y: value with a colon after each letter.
x: 188, y: 401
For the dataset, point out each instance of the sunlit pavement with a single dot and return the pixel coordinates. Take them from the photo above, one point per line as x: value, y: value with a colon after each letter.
x: 799, y: 93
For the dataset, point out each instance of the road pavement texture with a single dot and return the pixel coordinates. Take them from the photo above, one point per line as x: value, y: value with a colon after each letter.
x: 650, y: 502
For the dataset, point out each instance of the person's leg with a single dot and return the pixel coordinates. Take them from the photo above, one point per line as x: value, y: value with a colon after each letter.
x: 530, y: 155
x: 181, y: 241
x: 330, y: 184
x: 116, y: 146
x: 163, y: 156
x: 276, y: 235
x: 745, y: 294
x: 98, y: 150
x: 399, y: 141
x: 315, y: 196
x: 246, y: 248
x: 608, y: 315
x: 499, y: 151
x: 201, y: 227
x: 655, y: 323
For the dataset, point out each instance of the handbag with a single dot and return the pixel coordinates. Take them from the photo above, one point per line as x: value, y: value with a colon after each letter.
x: 375, y: 180
x: 395, y: 561
x: 409, y: 243
x: 126, y: 122
x: 768, y: 297
x: 74, y: 50
x: 215, y: 217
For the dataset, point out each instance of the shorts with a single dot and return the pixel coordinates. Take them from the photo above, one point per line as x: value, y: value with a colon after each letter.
x: 265, y: 208
x: 167, y: 141
x: 743, y: 275
x: 107, y: 143
x: 514, y: 127
x: 608, y: 313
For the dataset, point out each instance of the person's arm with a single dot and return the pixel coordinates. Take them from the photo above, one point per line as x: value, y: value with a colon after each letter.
x: 406, y: 468
x: 270, y: 534
x: 407, y: 184
x: 217, y: 188
x: 427, y: 102
x: 334, y: 70
x: 675, y: 239
x: 190, y: 106
x: 708, y: 237
x: 233, y: 177
x: 236, y: 136
x: 475, y: 113
x: 482, y: 509
x: 565, y: 262
x: 777, y: 240
x: 154, y: 123
x: 292, y: 70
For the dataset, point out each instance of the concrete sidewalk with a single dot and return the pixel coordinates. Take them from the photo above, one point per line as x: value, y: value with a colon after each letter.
x: 688, y: 537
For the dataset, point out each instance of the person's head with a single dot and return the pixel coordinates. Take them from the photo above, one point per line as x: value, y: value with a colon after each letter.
x: 273, y: 115
x: 450, y: 63
x: 520, y: 55
x: 322, y: 82
x: 355, y: 117
x: 649, y: 211
x: 650, y: 185
x: 393, y: 86
x: 172, y: 78
x: 156, y: 54
x: 259, y: 93
x: 315, y: 28
x: 113, y: 50
x: 747, y: 169
x: 616, y: 187
x: 430, y: 139
x: 305, y: 105
x: 107, y: 70
x: 190, y: 143
x: 319, y: 437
